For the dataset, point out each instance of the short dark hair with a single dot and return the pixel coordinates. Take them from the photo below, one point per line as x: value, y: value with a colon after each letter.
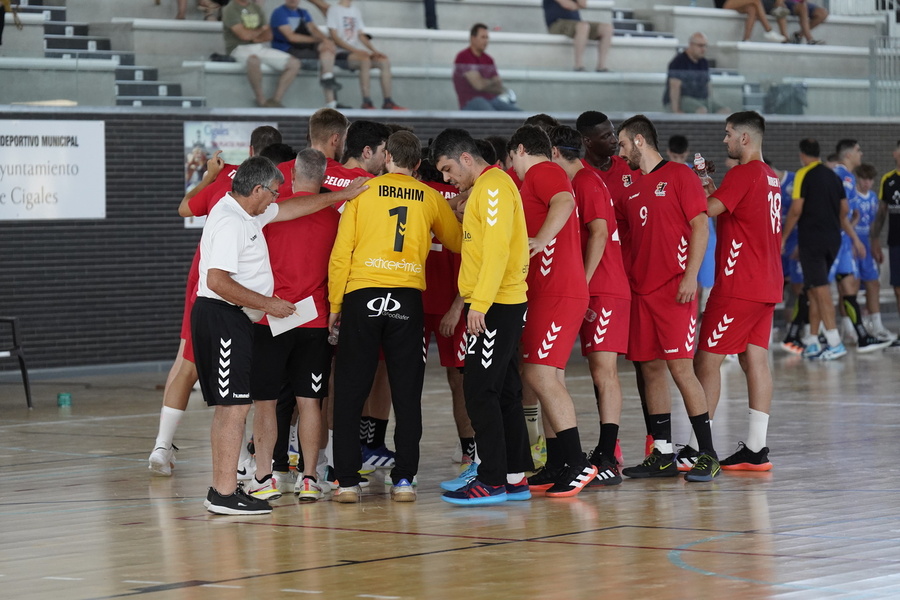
x: 865, y: 171
x: 640, y: 125
x: 395, y: 127
x: 533, y: 140
x: 365, y: 133
x: 256, y: 170
x: 567, y: 141
x: 589, y: 119
x: 310, y: 165
x: 810, y: 147
x: 427, y: 171
x: 832, y: 158
x: 749, y: 119
x: 405, y: 149
x: 487, y: 151
x: 262, y: 136
x: 451, y: 143
x: 843, y: 145
x: 541, y: 120
x: 499, y: 143
x: 476, y: 28
x: 678, y: 144
x: 278, y: 153
x: 325, y: 123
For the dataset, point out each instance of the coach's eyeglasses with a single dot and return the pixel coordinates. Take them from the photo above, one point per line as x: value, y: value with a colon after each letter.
x: 270, y: 190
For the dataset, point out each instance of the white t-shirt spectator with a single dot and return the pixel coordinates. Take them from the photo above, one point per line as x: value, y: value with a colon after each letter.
x: 348, y: 23
x: 233, y: 241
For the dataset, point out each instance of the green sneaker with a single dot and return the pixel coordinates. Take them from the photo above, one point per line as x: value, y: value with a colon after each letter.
x: 706, y: 467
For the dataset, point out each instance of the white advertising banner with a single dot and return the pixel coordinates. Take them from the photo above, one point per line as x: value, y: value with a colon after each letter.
x: 202, y: 139
x: 52, y: 170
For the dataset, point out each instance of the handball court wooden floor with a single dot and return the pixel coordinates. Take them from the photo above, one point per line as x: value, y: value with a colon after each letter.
x: 81, y: 518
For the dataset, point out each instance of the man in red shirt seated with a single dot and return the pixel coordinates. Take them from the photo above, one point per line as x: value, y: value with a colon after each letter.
x: 475, y: 77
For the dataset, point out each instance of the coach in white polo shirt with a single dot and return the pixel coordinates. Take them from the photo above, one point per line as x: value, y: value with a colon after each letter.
x: 236, y: 283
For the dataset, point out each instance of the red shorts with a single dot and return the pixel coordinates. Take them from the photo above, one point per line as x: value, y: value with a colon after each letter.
x: 190, y: 294
x: 661, y: 328
x: 551, y: 328
x: 608, y: 330
x: 730, y: 324
x: 451, y: 350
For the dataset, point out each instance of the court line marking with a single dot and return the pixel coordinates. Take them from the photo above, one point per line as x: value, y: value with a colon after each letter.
x: 77, y: 421
x: 291, y: 591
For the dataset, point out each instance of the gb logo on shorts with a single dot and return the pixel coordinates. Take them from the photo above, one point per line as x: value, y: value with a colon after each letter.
x: 380, y: 306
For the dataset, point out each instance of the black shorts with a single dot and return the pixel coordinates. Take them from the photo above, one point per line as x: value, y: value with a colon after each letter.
x: 223, y: 351
x: 341, y: 60
x: 308, y: 55
x: 300, y: 358
x: 816, y: 262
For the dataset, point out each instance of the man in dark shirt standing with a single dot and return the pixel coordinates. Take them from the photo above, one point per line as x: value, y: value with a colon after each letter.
x: 475, y: 78
x: 687, y: 83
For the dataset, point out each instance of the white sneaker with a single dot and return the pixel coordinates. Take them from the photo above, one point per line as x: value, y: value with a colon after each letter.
x: 774, y: 36
x: 246, y: 469
x: 884, y: 335
x: 347, y: 495
x: 403, y: 491
x: 264, y: 490
x: 389, y: 481
x: 307, y: 490
x: 285, y: 480
x: 162, y: 460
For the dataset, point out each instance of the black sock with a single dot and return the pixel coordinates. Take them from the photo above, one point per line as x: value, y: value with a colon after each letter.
x: 608, y: 434
x: 703, y: 431
x: 366, y: 427
x: 800, y: 317
x: 661, y: 427
x: 570, y: 443
x: 555, y: 456
x: 639, y: 379
x: 851, y: 306
x: 468, y: 447
x: 376, y: 440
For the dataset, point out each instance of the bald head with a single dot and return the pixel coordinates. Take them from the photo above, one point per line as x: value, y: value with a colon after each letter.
x: 696, y: 47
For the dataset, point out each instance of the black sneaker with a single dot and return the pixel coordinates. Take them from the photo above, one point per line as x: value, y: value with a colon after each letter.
x: 545, y: 478
x: 607, y: 472
x: 894, y: 347
x: 747, y: 460
x: 573, y: 480
x: 238, y: 503
x: 705, y: 469
x: 656, y: 464
x: 686, y: 458
x: 331, y: 83
x: 870, y: 343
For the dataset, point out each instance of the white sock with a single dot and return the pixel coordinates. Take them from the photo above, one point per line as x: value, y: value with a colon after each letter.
x: 759, y: 425
x: 805, y: 333
x: 810, y: 339
x: 329, y: 449
x: 332, y: 104
x: 848, y: 326
x: 532, y: 416
x: 833, y: 337
x: 168, y: 423
x: 513, y: 478
x: 327, y: 75
x: 875, y: 320
x: 663, y: 446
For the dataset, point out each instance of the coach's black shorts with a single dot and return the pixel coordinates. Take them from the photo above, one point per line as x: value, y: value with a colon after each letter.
x: 300, y: 357
x: 223, y: 350
x: 816, y: 261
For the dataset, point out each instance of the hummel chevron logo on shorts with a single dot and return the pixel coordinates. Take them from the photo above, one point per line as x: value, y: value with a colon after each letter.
x: 692, y: 334
x: 549, y: 338
x: 719, y: 331
x: 487, y: 352
x: 224, y: 366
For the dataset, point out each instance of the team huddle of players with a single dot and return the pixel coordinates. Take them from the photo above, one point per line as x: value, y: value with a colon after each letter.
x: 560, y: 233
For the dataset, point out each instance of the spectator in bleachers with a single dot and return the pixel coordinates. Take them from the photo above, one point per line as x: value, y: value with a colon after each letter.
x: 755, y: 12
x: 348, y: 31
x: 4, y: 8
x: 808, y: 14
x: 475, y: 78
x: 294, y: 32
x: 247, y: 40
x: 687, y: 83
x: 562, y: 18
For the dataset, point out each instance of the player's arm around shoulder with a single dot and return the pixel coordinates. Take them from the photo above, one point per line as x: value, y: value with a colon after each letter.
x: 341, y: 255
x: 445, y: 225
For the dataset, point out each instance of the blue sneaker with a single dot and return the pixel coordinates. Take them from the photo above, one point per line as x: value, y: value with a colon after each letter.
x: 518, y: 491
x: 465, y: 477
x: 833, y: 352
x: 379, y: 458
x: 814, y: 350
x: 476, y: 494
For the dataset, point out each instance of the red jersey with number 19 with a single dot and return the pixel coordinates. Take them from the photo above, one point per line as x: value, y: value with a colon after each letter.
x: 658, y: 213
x: 748, y: 254
x: 593, y: 202
x: 559, y: 269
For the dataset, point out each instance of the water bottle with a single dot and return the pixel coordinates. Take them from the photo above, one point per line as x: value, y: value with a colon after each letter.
x: 333, y: 336
x: 700, y: 166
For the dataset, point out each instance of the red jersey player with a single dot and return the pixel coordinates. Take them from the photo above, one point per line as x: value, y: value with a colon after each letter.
x: 604, y: 330
x: 748, y: 284
x: 666, y: 217
x: 557, y: 300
